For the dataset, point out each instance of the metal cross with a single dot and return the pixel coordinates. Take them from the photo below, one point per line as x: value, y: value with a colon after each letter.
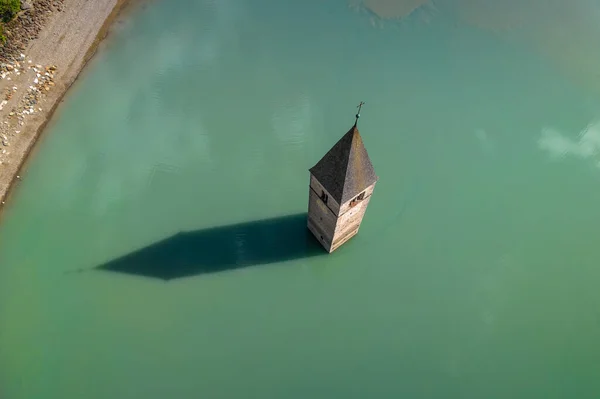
x: 358, y: 113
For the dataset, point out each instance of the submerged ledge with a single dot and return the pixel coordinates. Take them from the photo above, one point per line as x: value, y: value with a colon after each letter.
x: 46, y: 70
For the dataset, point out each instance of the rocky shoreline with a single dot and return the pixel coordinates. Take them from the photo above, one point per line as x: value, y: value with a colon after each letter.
x: 26, y: 27
x: 42, y: 79
x: 48, y: 44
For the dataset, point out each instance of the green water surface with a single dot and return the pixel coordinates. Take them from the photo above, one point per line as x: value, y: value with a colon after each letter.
x: 476, y: 271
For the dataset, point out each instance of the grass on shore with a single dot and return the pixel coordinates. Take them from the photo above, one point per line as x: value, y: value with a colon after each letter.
x: 8, y: 10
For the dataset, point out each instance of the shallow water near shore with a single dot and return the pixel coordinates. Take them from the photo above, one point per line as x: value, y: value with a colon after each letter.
x: 186, y: 147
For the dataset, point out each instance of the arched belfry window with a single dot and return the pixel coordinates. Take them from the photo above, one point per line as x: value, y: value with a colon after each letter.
x: 357, y: 199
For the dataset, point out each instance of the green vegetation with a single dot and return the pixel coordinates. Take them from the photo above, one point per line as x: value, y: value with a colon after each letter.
x: 8, y: 9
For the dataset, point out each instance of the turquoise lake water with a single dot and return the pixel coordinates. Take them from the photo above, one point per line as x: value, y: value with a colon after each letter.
x: 475, y: 273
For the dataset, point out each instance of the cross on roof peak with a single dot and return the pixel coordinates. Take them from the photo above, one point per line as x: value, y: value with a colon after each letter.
x: 358, y: 113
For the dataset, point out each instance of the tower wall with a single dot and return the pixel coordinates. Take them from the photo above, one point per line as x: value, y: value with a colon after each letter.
x: 318, y: 188
x: 346, y: 206
x: 348, y: 223
x: 321, y: 219
x: 330, y: 229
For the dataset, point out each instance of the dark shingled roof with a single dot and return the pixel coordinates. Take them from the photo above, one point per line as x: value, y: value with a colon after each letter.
x: 346, y: 170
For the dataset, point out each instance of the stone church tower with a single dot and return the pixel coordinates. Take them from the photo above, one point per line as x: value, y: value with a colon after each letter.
x: 341, y: 184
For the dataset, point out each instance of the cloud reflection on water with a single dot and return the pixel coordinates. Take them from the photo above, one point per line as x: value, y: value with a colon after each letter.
x: 586, y: 146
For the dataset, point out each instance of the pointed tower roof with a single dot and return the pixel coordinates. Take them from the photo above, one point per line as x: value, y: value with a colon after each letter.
x: 346, y: 170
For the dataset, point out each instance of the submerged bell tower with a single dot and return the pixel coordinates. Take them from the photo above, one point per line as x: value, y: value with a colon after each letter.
x: 341, y: 184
